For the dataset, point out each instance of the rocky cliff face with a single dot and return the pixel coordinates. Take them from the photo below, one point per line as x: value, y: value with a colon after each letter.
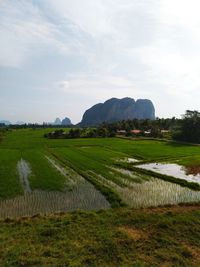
x: 119, y: 109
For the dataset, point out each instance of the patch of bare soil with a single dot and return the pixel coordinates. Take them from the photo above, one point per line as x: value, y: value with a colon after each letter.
x: 193, y: 170
x: 194, y: 252
x: 133, y: 233
x: 174, y: 208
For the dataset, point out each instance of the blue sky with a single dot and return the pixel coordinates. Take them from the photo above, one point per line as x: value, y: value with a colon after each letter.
x: 59, y: 57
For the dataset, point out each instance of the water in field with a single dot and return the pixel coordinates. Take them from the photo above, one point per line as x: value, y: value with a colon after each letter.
x: 82, y: 197
x: 136, y: 190
x: 149, y: 191
x: 172, y: 169
x: 71, y: 177
x: 79, y: 194
x: 24, y: 172
x: 157, y: 192
x: 129, y: 160
x: 132, y: 160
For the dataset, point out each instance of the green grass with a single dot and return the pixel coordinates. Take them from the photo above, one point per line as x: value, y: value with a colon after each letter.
x: 143, y: 149
x: 9, y: 180
x: 190, y: 160
x: 44, y: 176
x: 123, y: 237
x: 86, y: 162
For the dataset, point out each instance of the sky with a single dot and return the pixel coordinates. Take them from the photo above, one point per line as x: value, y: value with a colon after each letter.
x: 60, y: 57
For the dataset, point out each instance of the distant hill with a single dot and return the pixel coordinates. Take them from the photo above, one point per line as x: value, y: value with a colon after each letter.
x: 57, y: 121
x: 116, y: 109
x: 20, y: 123
x: 66, y: 122
x: 5, y: 122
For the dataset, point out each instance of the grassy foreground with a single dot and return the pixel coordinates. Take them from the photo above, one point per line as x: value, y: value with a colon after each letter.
x: 167, y: 236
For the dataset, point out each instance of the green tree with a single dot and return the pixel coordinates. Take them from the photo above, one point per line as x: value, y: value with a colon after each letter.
x: 189, y: 129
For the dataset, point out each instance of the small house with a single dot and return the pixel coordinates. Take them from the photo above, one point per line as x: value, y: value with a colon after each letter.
x: 165, y: 131
x: 135, y: 131
x: 121, y: 132
x: 147, y: 132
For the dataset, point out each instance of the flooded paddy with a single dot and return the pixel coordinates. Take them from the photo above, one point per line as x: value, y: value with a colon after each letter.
x: 136, y: 190
x: 156, y: 192
x: 41, y: 183
x: 71, y: 177
x: 24, y: 172
x: 82, y: 197
x: 78, y: 194
x: 149, y: 191
x: 129, y: 160
x: 174, y: 170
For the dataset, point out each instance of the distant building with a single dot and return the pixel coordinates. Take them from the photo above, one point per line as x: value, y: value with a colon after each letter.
x: 147, y: 132
x: 165, y: 131
x: 121, y: 132
x: 136, y: 131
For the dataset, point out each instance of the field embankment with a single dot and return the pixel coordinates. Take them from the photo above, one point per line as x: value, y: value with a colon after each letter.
x: 162, y: 236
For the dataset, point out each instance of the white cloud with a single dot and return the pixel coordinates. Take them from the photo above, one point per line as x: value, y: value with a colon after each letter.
x: 112, y: 48
x: 99, y: 87
x: 26, y: 31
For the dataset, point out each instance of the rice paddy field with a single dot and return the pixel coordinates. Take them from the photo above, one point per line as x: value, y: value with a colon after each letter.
x: 98, y: 202
x: 39, y: 175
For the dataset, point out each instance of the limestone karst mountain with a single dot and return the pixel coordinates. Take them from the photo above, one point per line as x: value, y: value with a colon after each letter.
x: 119, y: 109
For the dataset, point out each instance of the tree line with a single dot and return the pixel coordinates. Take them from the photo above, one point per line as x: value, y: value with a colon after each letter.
x: 186, y: 129
x: 112, y: 129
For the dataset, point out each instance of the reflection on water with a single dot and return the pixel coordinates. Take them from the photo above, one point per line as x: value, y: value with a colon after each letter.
x: 83, y: 197
x: 157, y: 192
x: 190, y: 174
x: 129, y: 160
x: 151, y: 192
x: 24, y: 173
